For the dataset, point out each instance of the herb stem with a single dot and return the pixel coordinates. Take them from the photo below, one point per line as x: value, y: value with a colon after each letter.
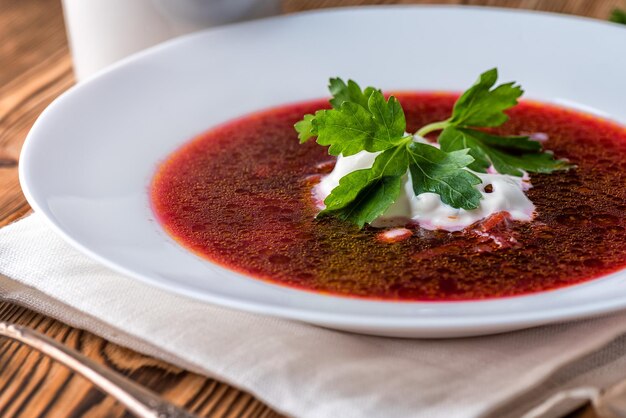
x: 406, y: 140
x: 436, y: 126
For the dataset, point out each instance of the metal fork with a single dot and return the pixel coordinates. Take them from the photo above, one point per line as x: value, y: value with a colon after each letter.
x: 140, y: 401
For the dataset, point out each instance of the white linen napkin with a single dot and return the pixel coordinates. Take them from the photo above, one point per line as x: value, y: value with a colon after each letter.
x: 307, y: 371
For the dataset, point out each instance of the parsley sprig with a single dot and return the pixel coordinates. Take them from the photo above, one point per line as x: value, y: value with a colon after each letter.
x: 483, y: 106
x: 363, y: 120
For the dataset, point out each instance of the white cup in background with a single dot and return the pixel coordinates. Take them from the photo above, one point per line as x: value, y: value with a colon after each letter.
x: 101, y: 32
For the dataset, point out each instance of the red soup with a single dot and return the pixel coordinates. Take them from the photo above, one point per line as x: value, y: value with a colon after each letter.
x: 240, y: 195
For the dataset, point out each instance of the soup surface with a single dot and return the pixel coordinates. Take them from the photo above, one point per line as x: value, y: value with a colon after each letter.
x: 240, y: 195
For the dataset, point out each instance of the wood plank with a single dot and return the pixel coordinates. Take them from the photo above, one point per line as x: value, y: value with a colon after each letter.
x: 33, y: 385
x: 34, y: 69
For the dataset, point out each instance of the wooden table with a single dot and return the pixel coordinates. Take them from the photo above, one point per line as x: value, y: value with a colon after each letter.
x: 35, y: 68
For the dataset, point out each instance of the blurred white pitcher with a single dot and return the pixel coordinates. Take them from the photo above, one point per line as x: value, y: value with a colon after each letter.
x: 103, y: 31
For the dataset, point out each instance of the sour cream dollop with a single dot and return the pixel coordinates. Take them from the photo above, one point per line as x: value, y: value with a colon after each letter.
x: 504, y: 194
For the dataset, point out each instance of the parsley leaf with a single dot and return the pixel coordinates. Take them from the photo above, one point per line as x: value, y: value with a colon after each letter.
x: 372, y: 201
x: 508, y: 155
x: 350, y: 92
x: 389, y: 118
x: 352, y: 128
x: 305, y: 128
x: 437, y: 171
x: 483, y: 106
x: 364, y: 195
x: 618, y: 16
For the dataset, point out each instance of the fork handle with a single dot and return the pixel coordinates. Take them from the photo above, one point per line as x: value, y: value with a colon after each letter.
x: 137, y: 399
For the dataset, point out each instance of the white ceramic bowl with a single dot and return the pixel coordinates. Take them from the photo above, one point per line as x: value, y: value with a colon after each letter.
x: 88, y: 160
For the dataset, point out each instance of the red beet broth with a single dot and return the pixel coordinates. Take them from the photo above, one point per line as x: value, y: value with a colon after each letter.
x: 240, y: 195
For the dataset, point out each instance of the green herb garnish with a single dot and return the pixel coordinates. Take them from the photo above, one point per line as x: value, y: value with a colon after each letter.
x: 363, y: 120
x: 618, y: 16
x: 483, y: 106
